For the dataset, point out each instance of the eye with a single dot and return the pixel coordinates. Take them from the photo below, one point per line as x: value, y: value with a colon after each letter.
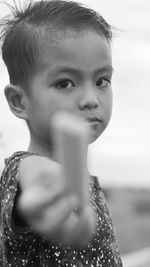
x: 64, y: 84
x: 103, y: 83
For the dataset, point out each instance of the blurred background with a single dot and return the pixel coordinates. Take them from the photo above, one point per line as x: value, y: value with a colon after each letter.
x: 120, y: 157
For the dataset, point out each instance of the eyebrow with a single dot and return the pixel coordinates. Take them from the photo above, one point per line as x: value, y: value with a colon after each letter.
x: 77, y: 72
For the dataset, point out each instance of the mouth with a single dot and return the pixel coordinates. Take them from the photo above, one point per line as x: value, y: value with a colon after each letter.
x: 93, y: 119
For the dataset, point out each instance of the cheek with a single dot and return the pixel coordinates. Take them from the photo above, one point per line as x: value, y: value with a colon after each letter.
x: 60, y: 101
x: 49, y: 105
x: 108, y: 105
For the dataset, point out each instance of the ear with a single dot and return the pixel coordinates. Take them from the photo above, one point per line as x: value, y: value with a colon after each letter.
x: 16, y: 97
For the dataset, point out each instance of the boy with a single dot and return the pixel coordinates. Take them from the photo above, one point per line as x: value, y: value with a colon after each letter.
x: 58, y: 55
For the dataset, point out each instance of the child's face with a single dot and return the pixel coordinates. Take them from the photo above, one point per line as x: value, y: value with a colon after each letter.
x: 75, y: 77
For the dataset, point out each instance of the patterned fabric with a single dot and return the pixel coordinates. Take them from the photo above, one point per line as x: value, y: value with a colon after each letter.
x: 21, y: 247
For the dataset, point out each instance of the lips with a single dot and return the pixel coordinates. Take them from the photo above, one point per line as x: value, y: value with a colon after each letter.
x: 93, y: 119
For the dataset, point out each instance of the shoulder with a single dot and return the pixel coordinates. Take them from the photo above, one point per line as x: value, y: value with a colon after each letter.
x: 15, y: 159
x: 9, y: 177
x: 98, y: 197
x: 11, y: 165
x: 94, y: 180
x: 9, y: 186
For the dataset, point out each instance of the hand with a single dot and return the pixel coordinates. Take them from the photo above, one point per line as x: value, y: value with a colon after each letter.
x: 49, y: 208
x: 44, y: 203
x: 53, y: 193
x: 79, y: 229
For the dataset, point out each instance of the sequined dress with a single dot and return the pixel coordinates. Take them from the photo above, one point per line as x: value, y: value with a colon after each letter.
x: 19, y: 246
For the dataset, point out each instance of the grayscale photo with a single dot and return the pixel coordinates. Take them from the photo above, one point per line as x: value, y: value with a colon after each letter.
x: 74, y: 133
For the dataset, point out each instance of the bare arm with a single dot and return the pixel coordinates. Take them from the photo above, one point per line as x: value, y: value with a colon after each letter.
x: 51, y: 206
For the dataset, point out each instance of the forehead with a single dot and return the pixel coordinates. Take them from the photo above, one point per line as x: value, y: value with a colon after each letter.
x: 86, y: 50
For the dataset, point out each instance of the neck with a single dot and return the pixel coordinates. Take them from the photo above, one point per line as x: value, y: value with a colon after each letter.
x: 44, y: 149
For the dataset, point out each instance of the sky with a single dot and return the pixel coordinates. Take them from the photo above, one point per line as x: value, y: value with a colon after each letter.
x: 120, y: 157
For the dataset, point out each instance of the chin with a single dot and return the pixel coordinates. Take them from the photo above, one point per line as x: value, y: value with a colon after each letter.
x: 93, y: 136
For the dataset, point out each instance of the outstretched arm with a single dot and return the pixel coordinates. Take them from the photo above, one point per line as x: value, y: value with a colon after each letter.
x: 54, y: 199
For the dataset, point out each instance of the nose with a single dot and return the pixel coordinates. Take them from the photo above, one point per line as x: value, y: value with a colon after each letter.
x: 88, y: 99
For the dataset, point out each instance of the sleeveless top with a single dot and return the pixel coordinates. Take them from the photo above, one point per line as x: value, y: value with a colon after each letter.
x: 19, y: 246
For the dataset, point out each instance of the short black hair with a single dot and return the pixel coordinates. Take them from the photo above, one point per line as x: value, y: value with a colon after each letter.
x: 21, y: 33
